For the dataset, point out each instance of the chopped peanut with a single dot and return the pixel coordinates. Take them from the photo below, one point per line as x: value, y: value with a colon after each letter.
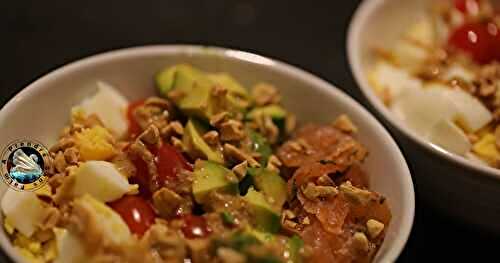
x: 355, y: 194
x: 265, y: 94
x: 167, y: 202
x: 360, y: 242
x: 231, y: 130
x: 344, y: 123
x: 239, y: 155
x: 312, y: 191
x: 211, y: 137
x: 374, y: 228
x: 240, y: 170
x: 219, y: 118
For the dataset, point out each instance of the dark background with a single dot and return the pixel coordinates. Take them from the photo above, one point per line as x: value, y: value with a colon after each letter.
x: 39, y: 36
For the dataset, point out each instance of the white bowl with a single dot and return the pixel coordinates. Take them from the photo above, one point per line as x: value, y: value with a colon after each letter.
x: 451, y: 183
x: 42, y: 109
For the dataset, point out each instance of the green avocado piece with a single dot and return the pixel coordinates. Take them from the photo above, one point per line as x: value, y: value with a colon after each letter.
x: 271, y: 185
x: 276, y: 112
x: 193, y: 140
x: 195, y: 87
x: 237, y: 98
x: 228, y: 82
x: 264, y: 237
x: 165, y: 80
x: 265, y: 217
x: 210, y: 176
x: 260, y: 145
x: 294, y: 245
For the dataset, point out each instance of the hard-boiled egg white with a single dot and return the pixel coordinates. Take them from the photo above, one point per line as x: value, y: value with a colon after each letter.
x: 110, y: 224
x: 107, y: 222
x: 471, y: 114
x: 23, y: 210
x: 422, y: 109
x: 101, y: 180
x: 69, y: 247
x: 392, y: 78
x: 422, y: 32
x: 458, y: 71
x: 110, y: 106
x: 409, y: 55
x: 449, y: 136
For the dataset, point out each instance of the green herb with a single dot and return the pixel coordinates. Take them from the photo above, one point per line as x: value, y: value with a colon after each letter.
x: 260, y: 145
x: 227, y: 218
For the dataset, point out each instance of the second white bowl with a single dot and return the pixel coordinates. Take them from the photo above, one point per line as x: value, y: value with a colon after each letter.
x: 449, y: 182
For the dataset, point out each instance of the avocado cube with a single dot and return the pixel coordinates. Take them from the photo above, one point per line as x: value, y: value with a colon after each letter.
x: 277, y: 113
x: 293, y: 246
x: 265, y: 217
x: 260, y: 145
x: 209, y: 177
x: 194, y: 142
x: 194, y: 85
x: 228, y: 82
x: 237, y: 98
x: 165, y: 80
x: 271, y: 185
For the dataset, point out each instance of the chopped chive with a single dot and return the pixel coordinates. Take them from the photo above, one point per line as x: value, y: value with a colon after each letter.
x: 227, y: 218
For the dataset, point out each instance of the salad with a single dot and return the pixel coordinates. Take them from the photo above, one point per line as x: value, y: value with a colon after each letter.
x: 442, y: 78
x: 206, y: 171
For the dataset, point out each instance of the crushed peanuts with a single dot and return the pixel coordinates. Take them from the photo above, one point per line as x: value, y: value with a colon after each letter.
x: 344, y: 123
x: 374, y: 227
x: 355, y: 194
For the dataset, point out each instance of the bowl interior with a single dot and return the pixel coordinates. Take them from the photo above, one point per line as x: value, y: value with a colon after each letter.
x: 380, y: 23
x: 41, y: 110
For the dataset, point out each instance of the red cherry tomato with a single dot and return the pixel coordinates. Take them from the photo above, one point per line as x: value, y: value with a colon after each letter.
x: 481, y: 40
x: 195, y: 227
x: 136, y: 212
x: 467, y: 6
x: 170, y: 162
x: 141, y: 176
x: 133, y: 127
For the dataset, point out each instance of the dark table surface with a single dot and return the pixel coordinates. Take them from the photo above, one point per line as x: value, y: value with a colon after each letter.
x: 39, y: 36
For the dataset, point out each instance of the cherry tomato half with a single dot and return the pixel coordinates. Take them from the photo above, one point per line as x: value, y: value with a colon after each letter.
x: 195, y: 227
x: 169, y: 162
x: 467, y: 6
x: 136, y: 212
x: 134, y: 128
x: 481, y: 40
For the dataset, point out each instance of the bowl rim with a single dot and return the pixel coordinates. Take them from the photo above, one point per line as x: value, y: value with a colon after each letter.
x: 358, y: 20
x: 408, y: 200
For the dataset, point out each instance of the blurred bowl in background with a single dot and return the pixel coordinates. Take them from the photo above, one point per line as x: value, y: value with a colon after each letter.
x: 449, y: 182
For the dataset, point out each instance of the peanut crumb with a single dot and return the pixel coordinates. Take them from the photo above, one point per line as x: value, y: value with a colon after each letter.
x: 235, y: 153
x: 374, y: 227
x: 231, y: 130
x: 312, y: 191
x: 211, y: 137
x: 240, y: 170
x: 344, y: 123
x: 355, y: 194
x: 360, y: 242
x: 219, y: 118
